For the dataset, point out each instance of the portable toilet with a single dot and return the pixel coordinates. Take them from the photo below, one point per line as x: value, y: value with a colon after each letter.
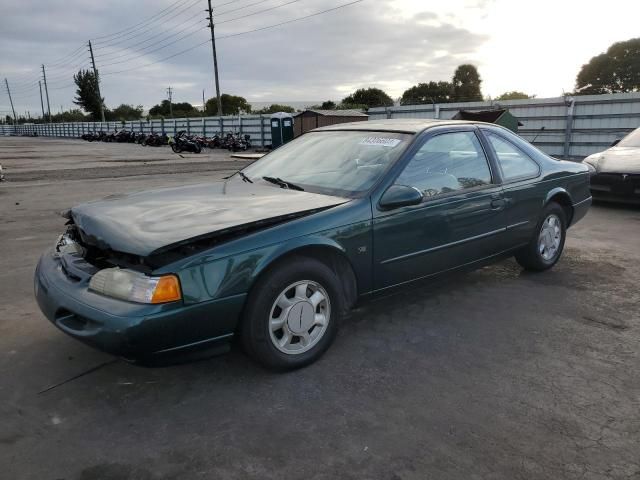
x: 281, y: 129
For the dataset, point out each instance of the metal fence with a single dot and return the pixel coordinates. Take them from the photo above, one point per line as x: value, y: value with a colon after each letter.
x: 258, y: 126
x: 574, y: 127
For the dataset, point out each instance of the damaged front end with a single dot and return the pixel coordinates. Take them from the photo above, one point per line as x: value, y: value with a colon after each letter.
x: 97, y: 252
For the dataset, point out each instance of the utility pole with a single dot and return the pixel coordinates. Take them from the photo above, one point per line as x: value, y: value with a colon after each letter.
x: 215, y: 58
x: 95, y: 73
x: 170, y: 95
x: 41, y: 102
x: 15, y: 120
x: 46, y: 90
x: 204, y: 105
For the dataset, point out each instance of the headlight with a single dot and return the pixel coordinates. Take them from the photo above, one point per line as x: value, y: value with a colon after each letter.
x: 135, y: 287
x: 592, y: 162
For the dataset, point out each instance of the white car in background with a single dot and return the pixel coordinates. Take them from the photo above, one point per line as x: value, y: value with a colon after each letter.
x: 615, y: 173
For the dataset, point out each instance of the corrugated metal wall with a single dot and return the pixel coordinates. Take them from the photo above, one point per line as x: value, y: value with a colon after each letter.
x: 258, y: 126
x: 574, y: 127
x: 309, y: 121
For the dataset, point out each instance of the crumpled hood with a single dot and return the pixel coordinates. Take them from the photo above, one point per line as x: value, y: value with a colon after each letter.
x: 141, y: 223
x: 619, y: 160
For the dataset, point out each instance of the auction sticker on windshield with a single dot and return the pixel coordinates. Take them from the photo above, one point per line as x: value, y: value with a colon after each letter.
x: 380, y: 142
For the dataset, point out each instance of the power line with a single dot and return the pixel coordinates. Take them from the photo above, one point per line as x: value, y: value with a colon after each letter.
x: 125, y: 48
x: 158, y: 61
x: 33, y: 82
x: 258, y: 12
x: 233, y: 35
x: 291, y: 21
x: 151, y: 26
x: 239, y: 8
x: 68, y: 59
x: 179, y: 39
x: 170, y: 7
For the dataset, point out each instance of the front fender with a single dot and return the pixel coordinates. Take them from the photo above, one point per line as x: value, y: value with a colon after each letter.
x: 235, y: 274
x: 298, y: 244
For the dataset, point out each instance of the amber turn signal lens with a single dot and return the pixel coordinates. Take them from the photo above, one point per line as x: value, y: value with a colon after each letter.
x: 167, y: 290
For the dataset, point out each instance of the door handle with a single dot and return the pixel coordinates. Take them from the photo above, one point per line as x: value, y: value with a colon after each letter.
x: 498, y: 204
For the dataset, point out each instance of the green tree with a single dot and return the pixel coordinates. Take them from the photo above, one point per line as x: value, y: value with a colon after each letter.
x: 73, y: 115
x: 425, y: 93
x: 276, y: 108
x: 466, y: 84
x: 369, y: 97
x: 328, y: 105
x: 87, y: 96
x: 615, y: 71
x: 125, y: 112
x: 231, y: 105
x: 180, y: 110
x: 514, y: 95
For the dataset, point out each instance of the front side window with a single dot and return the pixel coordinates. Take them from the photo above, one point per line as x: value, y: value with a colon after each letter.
x: 447, y: 163
x: 344, y: 163
x: 513, y: 161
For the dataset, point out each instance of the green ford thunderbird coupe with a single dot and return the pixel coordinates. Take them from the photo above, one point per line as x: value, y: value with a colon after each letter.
x: 278, y: 253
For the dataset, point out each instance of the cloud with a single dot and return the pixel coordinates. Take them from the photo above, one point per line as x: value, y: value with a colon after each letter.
x: 372, y: 43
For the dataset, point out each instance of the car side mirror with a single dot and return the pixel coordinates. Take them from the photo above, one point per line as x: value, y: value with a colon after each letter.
x: 615, y: 142
x: 398, y: 196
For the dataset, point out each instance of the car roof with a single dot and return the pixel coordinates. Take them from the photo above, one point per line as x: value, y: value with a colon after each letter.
x: 401, y: 125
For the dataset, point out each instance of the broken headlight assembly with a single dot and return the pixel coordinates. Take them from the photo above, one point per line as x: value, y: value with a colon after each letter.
x: 66, y: 244
x: 136, y: 287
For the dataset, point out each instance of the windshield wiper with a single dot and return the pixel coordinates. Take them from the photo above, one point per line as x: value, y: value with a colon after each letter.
x: 283, y: 183
x: 242, y: 176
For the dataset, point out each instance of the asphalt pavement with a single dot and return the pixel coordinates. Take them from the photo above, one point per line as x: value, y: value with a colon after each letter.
x: 496, y: 374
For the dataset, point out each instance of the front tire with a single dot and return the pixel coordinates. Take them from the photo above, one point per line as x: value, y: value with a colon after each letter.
x: 292, y: 314
x: 546, y: 246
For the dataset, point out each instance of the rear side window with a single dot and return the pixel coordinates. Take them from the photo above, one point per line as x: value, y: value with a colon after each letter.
x: 514, y: 162
x: 447, y: 163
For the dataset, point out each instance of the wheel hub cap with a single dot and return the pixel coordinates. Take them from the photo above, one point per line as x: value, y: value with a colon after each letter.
x: 300, y: 317
x: 550, y: 237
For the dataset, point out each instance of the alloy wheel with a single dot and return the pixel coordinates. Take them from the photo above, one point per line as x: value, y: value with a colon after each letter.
x: 299, y: 317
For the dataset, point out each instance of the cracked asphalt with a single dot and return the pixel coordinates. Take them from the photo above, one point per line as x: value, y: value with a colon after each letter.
x: 496, y: 374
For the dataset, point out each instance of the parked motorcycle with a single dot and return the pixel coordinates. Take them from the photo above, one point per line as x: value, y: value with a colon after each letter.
x: 182, y: 143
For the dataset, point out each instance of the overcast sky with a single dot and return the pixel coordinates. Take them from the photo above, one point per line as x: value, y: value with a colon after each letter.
x: 534, y: 46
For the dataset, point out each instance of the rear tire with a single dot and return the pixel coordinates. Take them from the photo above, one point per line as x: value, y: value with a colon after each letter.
x: 292, y: 314
x: 545, y: 248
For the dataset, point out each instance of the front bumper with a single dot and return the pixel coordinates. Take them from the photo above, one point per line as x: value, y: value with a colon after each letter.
x: 616, y: 187
x: 126, y: 329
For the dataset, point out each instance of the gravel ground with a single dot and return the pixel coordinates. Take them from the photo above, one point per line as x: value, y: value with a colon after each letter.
x: 497, y: 374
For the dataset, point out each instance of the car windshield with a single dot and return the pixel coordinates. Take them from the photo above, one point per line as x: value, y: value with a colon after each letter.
x: 343, y: 163
x: 631, y: 140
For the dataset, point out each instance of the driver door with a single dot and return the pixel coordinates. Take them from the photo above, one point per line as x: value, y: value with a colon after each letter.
x: 461, y: 219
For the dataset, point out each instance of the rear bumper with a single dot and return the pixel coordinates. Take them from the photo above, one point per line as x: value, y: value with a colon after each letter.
x: 580, y: 209
x: 126, y: 329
